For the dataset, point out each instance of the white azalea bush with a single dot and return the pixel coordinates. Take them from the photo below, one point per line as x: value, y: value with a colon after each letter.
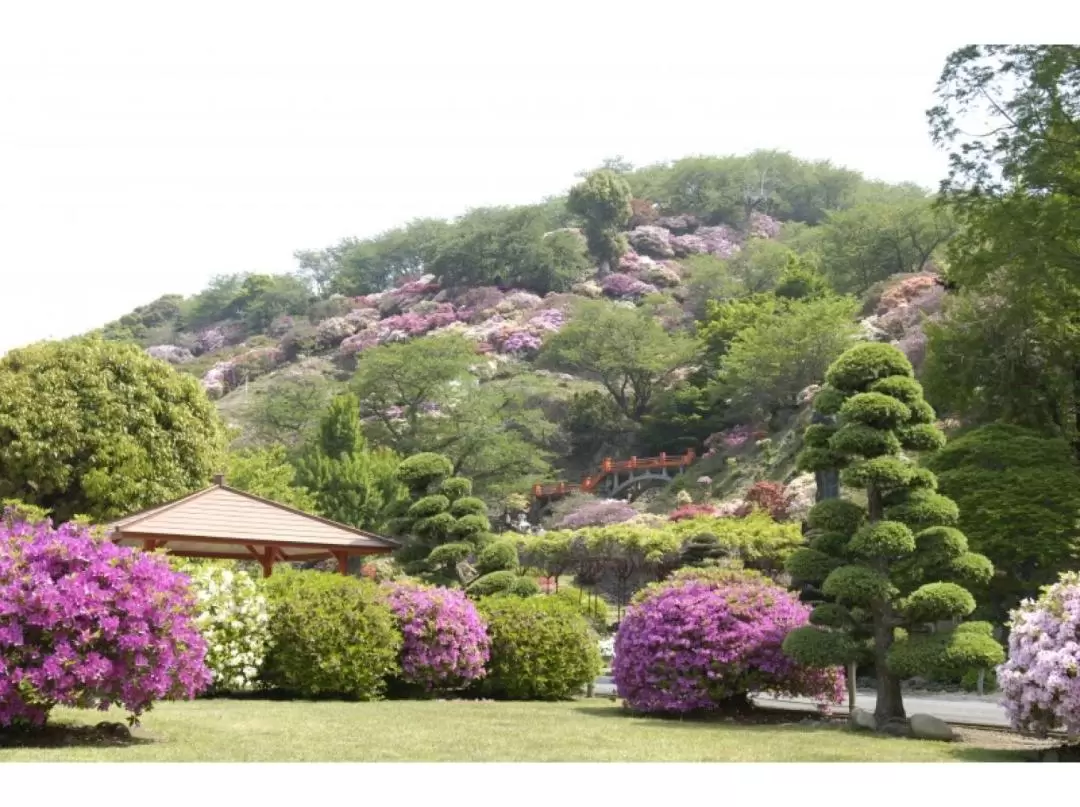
x: 233, y: 617
x: 607, y: 648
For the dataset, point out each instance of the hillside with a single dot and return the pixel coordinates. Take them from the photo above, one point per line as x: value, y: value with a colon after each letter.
x: 722, y: 254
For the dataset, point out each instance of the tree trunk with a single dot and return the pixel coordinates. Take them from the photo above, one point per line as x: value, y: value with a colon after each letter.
x: 890, y: 701
x: 852, y: 670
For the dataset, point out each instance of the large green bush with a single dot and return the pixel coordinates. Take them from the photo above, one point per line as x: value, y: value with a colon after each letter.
x: 541, y: 649
x: 331, y: 635
x: 1019, y: 499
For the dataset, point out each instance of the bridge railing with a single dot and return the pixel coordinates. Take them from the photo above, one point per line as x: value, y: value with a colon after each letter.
x: 610, y: 466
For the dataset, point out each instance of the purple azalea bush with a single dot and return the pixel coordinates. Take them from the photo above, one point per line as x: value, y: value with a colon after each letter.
x: 89, y: 624
x: 601, y: 513
x: 697, y: 644
x: 446, y: 643
x: 620, y: 285
x: 1040, y: 680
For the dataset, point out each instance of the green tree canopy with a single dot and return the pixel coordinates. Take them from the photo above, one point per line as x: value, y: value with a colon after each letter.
x: 100, y: 428
x: 267, y: 472
x: 627, y: 351
x: 603, y: 201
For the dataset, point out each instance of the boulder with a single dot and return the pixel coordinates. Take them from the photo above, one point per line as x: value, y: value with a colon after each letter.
x: 928, y: 727
x: 862, y: 719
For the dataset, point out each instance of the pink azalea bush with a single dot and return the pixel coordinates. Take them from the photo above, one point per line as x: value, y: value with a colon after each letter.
x: 88, y: 624
x: 173, y: 354
x: 651, y: 240
x: 445, y: 640
x: 1040, y: 681
x: 719, y: 241
x: 763, y: 226
x: 690, y: 244
x: 601, y: 513
x: 701, y: 643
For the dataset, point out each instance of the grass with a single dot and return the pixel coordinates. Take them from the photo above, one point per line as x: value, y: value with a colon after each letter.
x: 466, y: 731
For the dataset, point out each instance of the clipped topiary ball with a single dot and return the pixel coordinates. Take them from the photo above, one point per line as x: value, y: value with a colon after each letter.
x: 492, y: 583
x: 924, y: 508
x: 830, y: 615
x: 817, y: 435
x: 819, y: 648
x: 429, y: 506
x: 809, y: 565
x: 921, y: 412
x: 865, y: 441
x: 883, y: 539
x: 874, y: 409
x: 468, y: 506
x: 946, y: 654
x: 941, y: 543
x: 862, y: 365
x: 468, y: 526
x: 887, y: 473
x: 420, y: 471
x: 857, y: 585
x: 828, y: 401
x: 921, y: 437
x: 934, y: 602
x: 692, y: 645
x: 836, y: 515
x: 499, y: 556
x: 541, y: 649
x: 903, y: 388
x: 972, y: 569
x: 831, y: 543
x: 457, y: 487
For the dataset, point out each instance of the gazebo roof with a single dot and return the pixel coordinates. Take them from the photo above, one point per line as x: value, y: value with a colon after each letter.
x: 222, y: 522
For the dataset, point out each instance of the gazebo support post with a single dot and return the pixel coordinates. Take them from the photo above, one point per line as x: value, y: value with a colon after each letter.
x: 342, y: 562
x: 267, y: 561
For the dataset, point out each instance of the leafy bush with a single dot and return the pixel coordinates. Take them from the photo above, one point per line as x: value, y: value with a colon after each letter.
x: 445, y: 641
x: 497, y: 582
x: 698, y: 644
x: 756, y: 539
x: 1040, y: 681
x: 233, y: 617
x: 772, y: 497
x: 497, y: 557
x: 86, y: 623
x: 330, y: 635
x: 541, y: 649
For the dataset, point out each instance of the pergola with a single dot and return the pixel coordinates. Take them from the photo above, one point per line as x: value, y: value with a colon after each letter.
x: 221, y: 522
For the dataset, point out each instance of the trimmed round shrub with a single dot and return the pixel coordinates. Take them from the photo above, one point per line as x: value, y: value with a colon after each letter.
x: 886, y: 539
x: 857, y: 585
x: 810, y: 565
x: 697, y: 645
x: 468, y: 526
x: 862, y: 365
x: 921, y: 437
x: 828, y: 401
x: 458, y: 487
x: 817, y: 435
x: 445, y: 643
x: 468, y: 506
x: 86, y: 623
x: 922, y: 479
x: 436, y: 527
x: 836, y: 515
x: 972, y: 569
x: 886, y: 473
x: 831, y: 543
x: 492, y: 583
x: 817, y: 458
x: 946, y: 654
x: 233, y: 616
x: 1039, y: 682
x: 429, y: 506
x: 819, y: 648
x: 449, y: 554
x: 934, y: 602
x: 497, y: 557
x: 331, y: 635
x: 941, y: 543
x: 874, y: 409
x: 420, y: 471
x: 541, y: 649
x: 866, y: 441
x: 903, y: 388
x: 524, y: 587
x: 925, y: 508
x: 921, y: 412
x: 830, y: 615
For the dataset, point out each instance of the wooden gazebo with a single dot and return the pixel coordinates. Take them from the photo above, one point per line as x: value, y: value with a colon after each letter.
x: 222, y: 522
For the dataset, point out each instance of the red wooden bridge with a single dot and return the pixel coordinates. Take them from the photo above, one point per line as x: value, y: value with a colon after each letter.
x: 615, y: 476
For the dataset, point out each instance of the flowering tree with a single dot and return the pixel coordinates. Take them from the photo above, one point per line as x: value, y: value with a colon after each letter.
x: 1040, y: 680
x: 707, y: 641
x: 599, y: 513
x: 89, y: 624
x: 446, y: 644
x: 233, y: 617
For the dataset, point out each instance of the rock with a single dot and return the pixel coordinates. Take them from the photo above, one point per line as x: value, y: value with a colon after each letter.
x: 862, y: 719
x: 897, y: 728
x: 928, y: 727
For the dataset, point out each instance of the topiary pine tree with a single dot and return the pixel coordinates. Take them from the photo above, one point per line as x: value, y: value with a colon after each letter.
x: 896, y: 568
x: 443, y: 524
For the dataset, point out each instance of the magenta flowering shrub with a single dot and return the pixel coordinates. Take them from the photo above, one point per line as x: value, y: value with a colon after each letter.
x: 1040, y: 680
x: 691, y: 244
x: 89, y: 624
x: 548, y: 320
x: 697, y: 644
x: 517, y: 342
x: 622, y: 286
x: 601, y: 513
x: 629, y: 262
x: 445, y: 640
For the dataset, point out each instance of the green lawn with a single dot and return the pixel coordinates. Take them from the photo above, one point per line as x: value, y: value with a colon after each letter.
x: 463, y: 731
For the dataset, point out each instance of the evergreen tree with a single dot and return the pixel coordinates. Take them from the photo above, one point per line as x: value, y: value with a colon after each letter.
x: 887, y: 568
x: 603, y: 201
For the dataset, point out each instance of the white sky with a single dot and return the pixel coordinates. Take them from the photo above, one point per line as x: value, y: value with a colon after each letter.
x: 141, y: 154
